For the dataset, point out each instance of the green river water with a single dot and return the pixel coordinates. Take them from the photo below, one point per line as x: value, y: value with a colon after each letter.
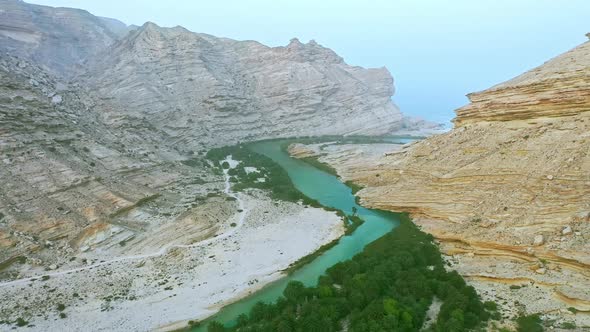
x: 331, y: 192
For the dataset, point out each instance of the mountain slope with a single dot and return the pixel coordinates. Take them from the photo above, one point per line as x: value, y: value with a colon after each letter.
x: 57, y: 38
x: 204, y: 90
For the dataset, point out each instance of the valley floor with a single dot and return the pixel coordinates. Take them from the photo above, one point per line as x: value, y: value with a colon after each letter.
x: 183, y: 282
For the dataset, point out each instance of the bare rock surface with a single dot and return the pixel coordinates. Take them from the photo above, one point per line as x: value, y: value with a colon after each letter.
x: 197, y: 89
x: 59, y: 39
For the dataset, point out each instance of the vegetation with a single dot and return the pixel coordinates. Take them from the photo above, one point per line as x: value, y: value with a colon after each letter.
x: 354, y: 223
x: 568, y: 326
x: 276, y: 180
x: 530, y: 323
x: 355, y: 187
x: 309, y: 258
x: 21, y: 322
x: 314, y: 161
x: 389, y: 286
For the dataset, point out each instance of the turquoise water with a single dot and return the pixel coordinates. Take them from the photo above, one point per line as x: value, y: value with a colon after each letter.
x: 329, y: 191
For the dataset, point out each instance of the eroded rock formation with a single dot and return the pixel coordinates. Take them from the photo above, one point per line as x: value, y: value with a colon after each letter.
x: 198, y: 89
x: 59, y: 39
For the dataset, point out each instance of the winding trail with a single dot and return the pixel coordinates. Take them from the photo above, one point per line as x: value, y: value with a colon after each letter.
x: 163, y: 250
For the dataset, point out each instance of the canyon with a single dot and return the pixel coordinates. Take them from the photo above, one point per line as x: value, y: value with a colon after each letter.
x: 113, y: 218
x: 505, y: 192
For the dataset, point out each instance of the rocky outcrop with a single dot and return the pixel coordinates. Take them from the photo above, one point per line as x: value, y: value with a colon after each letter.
x: 505, y: 192
x: 68, y: 179
x: 558, y: 88
x: 59, y: 39
x: 198, y: 89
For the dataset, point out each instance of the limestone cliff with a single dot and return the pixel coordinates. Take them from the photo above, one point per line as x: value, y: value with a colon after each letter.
x: 70, y: 183
x: 58, y: 39
x: 558, y: 88
x: 507, y: 191
x: 199, y: 89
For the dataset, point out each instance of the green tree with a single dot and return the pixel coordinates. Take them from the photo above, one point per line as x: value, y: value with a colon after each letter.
x: 294, y: 291
x: 215, y: 327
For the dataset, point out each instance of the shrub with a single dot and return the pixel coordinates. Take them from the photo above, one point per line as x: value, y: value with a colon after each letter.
x: 21, y: 322
x: 490, y: 305
x: 530, y: 323
x: 568, y: 326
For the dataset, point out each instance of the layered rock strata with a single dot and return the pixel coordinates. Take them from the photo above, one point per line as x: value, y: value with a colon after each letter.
x: 59, y: 39
x: 198, y: 89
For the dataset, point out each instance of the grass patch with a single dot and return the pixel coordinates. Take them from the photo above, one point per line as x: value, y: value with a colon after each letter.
x: 353, y: 223
x: 7, y: 263
x: 355, y: 187
x: 309, y: 258
x: 139, y: 203
x: 315, y: 162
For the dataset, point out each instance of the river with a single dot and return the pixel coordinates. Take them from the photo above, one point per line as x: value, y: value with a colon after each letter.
x: 331, y: 192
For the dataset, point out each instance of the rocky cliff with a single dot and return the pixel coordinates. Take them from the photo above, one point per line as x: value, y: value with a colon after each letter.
x: 58, y: 39
x: 70, y: 183
x: 558, y: 88
x: 198, y: 89
x: 506, y: 192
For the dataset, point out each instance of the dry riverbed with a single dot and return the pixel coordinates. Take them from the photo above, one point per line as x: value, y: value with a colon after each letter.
x: 184, y: 283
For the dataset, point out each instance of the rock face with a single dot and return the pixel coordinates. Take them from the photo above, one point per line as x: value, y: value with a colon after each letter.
x: 198, y: 89
x: 68, y: 179
x: 57, y: 38
x: 506, y: 191
x: 558, y: 88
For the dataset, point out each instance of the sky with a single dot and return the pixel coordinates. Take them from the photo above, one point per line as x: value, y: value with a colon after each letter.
x: 437, y: 51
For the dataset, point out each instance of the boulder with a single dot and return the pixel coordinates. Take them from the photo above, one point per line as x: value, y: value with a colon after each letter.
x: 538, y: 240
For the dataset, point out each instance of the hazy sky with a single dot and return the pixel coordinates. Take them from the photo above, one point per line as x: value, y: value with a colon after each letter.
x: 437, y: 51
